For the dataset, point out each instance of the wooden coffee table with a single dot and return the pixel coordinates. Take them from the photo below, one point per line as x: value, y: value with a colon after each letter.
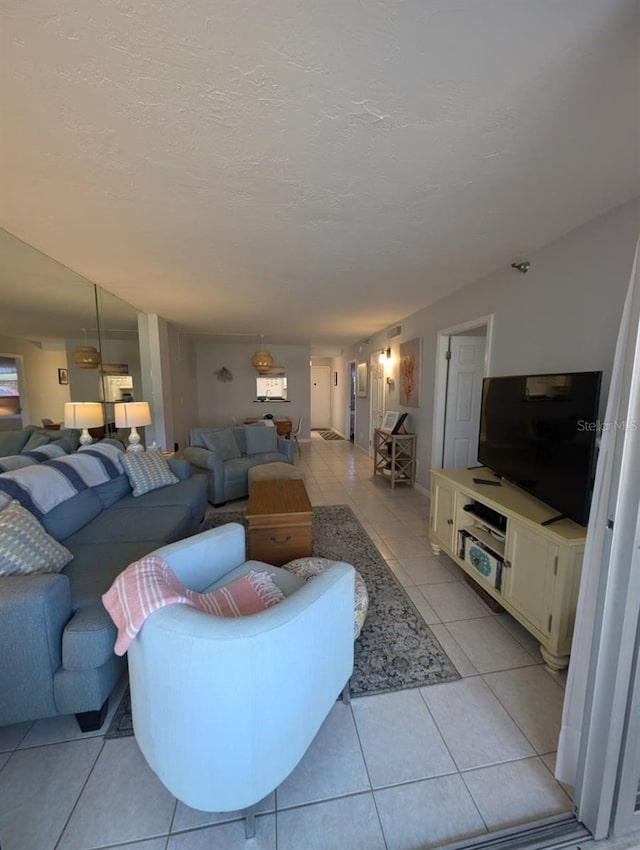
x: 279, y: 518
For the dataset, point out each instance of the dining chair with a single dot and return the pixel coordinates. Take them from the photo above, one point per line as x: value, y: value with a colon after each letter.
x: 295, y: 434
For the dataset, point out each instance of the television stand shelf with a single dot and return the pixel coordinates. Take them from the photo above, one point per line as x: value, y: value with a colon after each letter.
x: 498, y: 537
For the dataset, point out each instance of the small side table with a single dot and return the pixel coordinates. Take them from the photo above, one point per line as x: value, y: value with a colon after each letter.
x: 394, y: 456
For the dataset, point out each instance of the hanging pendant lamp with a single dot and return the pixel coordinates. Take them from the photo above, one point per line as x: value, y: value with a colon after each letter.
x: 262, y: 361
x: 86, y: 356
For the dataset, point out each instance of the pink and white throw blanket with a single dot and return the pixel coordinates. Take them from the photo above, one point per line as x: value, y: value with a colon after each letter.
x: 150, y: 583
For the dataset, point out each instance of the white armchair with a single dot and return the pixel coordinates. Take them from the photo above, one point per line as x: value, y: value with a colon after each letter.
x: 224, y: 709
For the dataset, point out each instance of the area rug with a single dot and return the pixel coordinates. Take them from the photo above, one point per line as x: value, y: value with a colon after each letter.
x: 395, y: 650
x: 329, y: 435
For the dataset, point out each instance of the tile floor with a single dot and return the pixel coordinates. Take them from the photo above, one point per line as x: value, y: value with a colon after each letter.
x: 408, y: 770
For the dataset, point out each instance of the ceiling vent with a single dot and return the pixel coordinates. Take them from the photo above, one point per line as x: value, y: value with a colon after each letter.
x: 395, y: 331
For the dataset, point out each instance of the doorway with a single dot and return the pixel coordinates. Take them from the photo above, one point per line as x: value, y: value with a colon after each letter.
x: 352, y: 400
x: 376, y: 386
x: 320, y: 409
x: 462, y: 360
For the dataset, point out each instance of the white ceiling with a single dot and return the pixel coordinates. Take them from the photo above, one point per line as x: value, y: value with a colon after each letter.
x: 310, y: 171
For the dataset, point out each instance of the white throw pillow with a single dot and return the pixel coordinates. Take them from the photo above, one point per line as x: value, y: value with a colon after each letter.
x: 147, y: 471
x: 25, y: 547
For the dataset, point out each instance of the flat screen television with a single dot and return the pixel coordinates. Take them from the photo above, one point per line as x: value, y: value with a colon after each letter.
x: 539, y: 432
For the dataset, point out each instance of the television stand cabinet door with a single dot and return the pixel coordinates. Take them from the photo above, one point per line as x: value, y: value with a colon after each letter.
x: 539, y: 566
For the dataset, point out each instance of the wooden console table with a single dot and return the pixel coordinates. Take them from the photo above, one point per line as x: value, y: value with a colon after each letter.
x: 394, y: 456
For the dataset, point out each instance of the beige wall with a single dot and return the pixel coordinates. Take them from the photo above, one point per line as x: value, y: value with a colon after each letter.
x: 562, y: 315
x: 184, y: 386
x: 217, y: 402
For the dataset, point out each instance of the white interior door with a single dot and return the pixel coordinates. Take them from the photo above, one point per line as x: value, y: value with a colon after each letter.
x: 464, y: 396
x: 320, y: 397
x: 376, y: 384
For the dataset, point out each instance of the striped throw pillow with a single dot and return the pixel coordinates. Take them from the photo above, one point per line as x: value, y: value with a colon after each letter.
x: 147, y: 471
x: 25, y: 547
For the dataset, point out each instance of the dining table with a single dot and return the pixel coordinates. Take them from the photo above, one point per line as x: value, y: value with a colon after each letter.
x: 283, y: 424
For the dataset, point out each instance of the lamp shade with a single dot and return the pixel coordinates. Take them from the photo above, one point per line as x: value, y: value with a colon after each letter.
x: 83, y: 414
x: 131, y: 414
x: 262, y: 361
x: 86, y: 357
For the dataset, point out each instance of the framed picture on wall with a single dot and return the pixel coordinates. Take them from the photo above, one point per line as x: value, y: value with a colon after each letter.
x: 361, y: 380
x: 410, y: 372
x: 63, y: 376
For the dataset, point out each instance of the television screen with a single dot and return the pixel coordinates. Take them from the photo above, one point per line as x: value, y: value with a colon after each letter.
x: 539, y: 432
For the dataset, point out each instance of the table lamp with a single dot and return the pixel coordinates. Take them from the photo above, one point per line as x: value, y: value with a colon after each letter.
x: 130, y: 415
x: 83, y: 414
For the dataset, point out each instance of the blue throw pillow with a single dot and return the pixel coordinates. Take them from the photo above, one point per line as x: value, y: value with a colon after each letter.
x: 260, y: 439
x: 147, y: 471
x: 222, y: 442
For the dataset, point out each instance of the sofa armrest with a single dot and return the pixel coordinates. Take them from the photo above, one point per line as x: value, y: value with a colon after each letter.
x: 202, y: 559
x: 287, y: 447
x: 34, y: 610
x: 180, y: 467
x: 213, y: 465
x: 205, y: 459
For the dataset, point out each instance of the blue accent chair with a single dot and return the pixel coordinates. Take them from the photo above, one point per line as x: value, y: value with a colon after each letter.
x: 224, y: 708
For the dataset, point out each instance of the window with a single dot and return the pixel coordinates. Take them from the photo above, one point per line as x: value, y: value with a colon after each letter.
x: 9, y: 388
x: 268, y: 387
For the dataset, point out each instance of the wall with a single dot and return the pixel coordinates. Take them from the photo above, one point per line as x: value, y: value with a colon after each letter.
x: 562, y: 315
x: 359, y: 353
x: 340, y: 397
x: 43, y: 396
x: 218, y: 402
x: 184, y: 393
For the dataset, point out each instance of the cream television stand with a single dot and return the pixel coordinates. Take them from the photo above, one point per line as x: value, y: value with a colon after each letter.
x: 495, y: 534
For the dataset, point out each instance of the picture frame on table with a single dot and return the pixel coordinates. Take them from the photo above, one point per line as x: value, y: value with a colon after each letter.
x: 389, y: 421
x: 399, y: 423
x: 63, y: 376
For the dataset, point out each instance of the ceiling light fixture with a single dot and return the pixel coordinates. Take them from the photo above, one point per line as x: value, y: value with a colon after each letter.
x: 262, y: 360
x: 86, y: 356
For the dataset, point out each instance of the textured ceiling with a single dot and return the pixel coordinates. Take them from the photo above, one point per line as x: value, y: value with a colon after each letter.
x: 311, y: 171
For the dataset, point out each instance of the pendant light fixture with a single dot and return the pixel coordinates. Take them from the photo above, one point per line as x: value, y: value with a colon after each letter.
x: 262, y: 361
x: 86, y: 356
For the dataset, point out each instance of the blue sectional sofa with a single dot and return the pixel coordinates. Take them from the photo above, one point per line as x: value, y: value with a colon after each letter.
x: 56, y: 636
x: 31, y: 445
x: 225, y: 455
